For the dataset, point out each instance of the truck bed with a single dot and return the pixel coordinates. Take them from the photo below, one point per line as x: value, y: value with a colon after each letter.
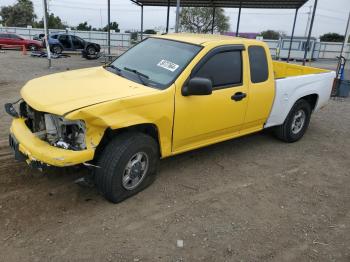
x: 283, y: 70
x: 294, y: 82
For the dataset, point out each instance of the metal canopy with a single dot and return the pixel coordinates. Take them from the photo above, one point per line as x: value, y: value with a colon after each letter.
x: 277, y: 4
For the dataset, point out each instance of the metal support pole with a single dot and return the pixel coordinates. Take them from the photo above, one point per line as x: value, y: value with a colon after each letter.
x: 239, y: 17
x: 292, y: 36
x: 46, y: 33
x: 167, y: 17
x: 310, y: 31
x: 141, y: 22
x: 308, y: 21
x: 345, y: 36
x: 213, y: 22
x: 177, y: 16
x: 109, y: 26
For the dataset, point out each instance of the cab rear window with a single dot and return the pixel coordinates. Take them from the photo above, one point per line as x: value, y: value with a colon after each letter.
x: 259, y: 70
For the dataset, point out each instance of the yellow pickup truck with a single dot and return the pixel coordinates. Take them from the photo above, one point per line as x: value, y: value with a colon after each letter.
x: 167, y: 95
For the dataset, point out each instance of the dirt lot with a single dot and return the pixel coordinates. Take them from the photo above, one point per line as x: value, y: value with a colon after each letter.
x: 250, y: 199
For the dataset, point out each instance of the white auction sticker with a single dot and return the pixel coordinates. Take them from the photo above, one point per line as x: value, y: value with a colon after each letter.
x: 168, y: 65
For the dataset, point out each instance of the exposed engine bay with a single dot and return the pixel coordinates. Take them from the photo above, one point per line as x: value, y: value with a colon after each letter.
x: 54, y: 129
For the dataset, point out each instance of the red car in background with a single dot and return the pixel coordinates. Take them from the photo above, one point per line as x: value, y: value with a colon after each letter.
x: 10, y: 39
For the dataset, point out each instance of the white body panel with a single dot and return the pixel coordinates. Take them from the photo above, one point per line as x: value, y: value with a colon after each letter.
x: 291, y: 89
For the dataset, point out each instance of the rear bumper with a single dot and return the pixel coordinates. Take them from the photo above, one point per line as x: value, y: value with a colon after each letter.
x: 37, y: 150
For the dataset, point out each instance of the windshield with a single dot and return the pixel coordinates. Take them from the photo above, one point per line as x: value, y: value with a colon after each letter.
x: 156, y: 62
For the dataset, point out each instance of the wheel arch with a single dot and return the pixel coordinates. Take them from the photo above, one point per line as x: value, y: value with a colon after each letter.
x: 56, y: 44
x: 146, y: 128
x: 282, y: 108
x: 312, y: 99
x: 91, y: 45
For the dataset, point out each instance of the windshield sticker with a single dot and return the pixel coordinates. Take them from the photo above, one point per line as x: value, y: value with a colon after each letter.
x: 168, y: 65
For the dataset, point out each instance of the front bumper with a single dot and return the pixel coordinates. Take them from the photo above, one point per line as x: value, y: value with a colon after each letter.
x: 37, y: 150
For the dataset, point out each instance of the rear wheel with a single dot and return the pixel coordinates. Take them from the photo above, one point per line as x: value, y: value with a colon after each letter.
x: 296, y: 123
x: 32, y: 47
x: 57, y: 49
x: 128, y: 164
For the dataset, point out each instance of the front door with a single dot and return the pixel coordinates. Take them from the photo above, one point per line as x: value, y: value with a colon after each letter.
x: 203, y: 120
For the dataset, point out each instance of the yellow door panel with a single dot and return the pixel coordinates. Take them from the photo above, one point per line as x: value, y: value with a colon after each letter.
x: 201, y: 120
x: 204, y: 120
x: 261, y: 88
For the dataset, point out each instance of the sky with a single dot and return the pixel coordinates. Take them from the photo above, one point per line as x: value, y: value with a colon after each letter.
x: 331, y: 16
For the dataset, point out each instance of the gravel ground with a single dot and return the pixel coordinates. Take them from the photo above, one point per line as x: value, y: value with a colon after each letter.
x: 249, y: 199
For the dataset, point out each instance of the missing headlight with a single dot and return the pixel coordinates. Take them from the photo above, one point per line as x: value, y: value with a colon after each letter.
x: 63, y: 133
x: 54, y: 129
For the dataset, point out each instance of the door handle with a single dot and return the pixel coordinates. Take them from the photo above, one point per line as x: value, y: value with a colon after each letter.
x: 239, y: 96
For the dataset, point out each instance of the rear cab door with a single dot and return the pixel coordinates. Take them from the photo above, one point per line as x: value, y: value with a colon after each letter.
x: 261, y: 91
x: 78, y: 43
x: 204, y: 120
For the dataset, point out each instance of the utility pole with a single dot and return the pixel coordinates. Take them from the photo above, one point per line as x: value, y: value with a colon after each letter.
x: 308, y: 21
x: 141, y: 22
x: 101, y: 19
x: 310, y: 31
x: 177, y: 16
x: 239, y: 18
x: 46, y: 33
x: 109, y: 28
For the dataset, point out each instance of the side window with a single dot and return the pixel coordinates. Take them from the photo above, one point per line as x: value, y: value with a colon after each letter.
x: 15, y: 36
x: 259, y: 70
x: 223, y: 69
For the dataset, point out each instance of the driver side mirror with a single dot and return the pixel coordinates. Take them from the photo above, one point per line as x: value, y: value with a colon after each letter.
x: 198, y: 86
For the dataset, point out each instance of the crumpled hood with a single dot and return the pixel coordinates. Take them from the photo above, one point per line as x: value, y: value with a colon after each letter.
x: 65, y: 92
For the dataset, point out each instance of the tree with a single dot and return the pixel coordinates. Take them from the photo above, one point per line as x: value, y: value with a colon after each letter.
x: 19, y: 14
x: 84, y: 27
x: 270, y: 34
x: 112, y: 26
x: 200, y: 20
x: 332, y: 37
x: 54, y: 22
x: 149, y: 32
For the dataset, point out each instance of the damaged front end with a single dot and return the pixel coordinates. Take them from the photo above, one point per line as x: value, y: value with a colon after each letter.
x: 56, y: 130
x: 48, y: 139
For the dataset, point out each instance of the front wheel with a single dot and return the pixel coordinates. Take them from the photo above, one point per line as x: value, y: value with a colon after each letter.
x: 296, y: 123
x: 127, y: 165
x: 90, y: 50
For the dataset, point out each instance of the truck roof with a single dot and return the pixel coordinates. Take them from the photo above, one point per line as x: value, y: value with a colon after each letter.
x: 204, y: 39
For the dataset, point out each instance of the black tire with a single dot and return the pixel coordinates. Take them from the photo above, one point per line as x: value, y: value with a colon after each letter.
x: 56, y: 49
x: 32, y: 47
x: 285, y: 132
x: 114, y: 159
x: 91, y: 50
